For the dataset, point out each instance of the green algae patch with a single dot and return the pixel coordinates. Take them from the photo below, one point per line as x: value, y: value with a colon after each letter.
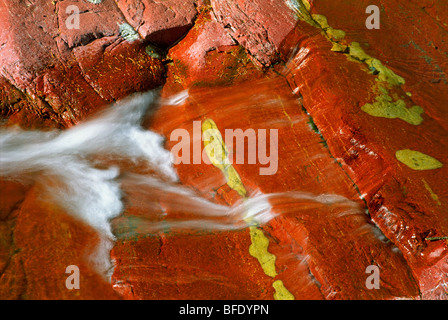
x: 385, y: 107
x: 281, y: 293
x: 417, y: 160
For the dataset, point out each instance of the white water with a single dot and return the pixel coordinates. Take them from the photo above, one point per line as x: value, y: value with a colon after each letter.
x: 72, y: 158
x: 91, y: 194
x: 191, y: 211
x: 69, y: 160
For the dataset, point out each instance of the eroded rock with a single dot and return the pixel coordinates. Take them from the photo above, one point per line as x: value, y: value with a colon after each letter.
x: 346, y: 101
x: 160, y: 22
x: 67, y: 71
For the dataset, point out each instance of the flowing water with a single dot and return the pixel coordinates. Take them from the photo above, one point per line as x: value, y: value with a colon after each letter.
x: 88, y: 187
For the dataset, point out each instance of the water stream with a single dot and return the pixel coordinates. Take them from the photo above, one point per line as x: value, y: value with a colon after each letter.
x: 87, y: 186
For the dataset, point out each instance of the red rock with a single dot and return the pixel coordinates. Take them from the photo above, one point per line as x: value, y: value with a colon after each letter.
x: 319, y: 177
x: 28, y: 42
x: 13, y: 193
x: 208, y: 56
x: 328, y: 145
x: 333, y: 87
x: 160, y: 22
x: 207, y: 35
x: 298, y: 233
x: 259, y: 26
x: 111, y: 68
x: 17, y: 108
x: 203, y: 266
x: 96, y: 21
x: 58, y: 68
x: 406, y: 204
x: 38, y: 271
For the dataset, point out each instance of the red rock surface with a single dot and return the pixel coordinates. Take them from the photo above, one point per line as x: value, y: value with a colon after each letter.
x: 259, y: 26
x: 160, y: 22
x: 38, y: 241
x: 301, y: 258
x: 248, y: 65
x: 58, y: 68
x: 408, y: 205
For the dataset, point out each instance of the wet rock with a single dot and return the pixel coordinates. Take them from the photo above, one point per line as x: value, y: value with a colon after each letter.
x: 181, y: 267
x: 311, y: 261
x: 361, y: 172
x: 43, y: 242
x: 112, y: 68
x: 308, y: 263
x: 381, y: 65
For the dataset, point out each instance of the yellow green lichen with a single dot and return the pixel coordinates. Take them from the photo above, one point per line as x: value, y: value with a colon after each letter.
x: 337, y: 47
x: 217, y: 152
x: 417, y: 160
x: 384, y: 73
x: 334, y: 34
x: 259, y: 250
x: 281, y: 293
x: 434, y: 196
x: 385, y: 107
